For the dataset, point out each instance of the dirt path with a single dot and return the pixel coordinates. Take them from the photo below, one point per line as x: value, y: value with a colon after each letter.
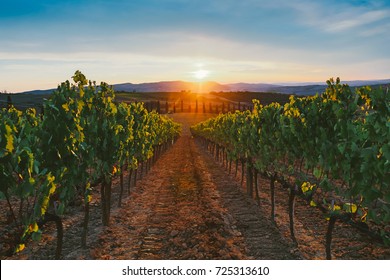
x: 261, y: 236
x: 186, y: 209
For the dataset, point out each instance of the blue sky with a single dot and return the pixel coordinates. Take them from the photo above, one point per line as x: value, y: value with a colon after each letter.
x: 44, y: 42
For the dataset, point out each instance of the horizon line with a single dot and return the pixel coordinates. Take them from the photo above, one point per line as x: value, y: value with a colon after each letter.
x: 281, y: 84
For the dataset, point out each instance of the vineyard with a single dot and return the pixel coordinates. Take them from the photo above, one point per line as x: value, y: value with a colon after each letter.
x: 94, y: 178
x: 333, y: 150
x: 82, y: 141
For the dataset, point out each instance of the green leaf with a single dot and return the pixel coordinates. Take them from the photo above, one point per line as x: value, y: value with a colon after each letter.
x: 36, y: 236
x: 317, y: 172
x: 9, y: 139
x: 350, y: 207
x: 19, y: 248
x: 60, y: 209
x: 341, y: 147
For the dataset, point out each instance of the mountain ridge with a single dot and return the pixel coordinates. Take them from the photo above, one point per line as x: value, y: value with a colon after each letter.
x: 301, y: 88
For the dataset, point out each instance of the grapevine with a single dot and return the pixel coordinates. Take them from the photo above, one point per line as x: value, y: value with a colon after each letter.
x: 332, y: 149
x: 83, y: 139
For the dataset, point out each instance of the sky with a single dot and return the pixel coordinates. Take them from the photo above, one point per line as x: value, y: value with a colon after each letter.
x: 42, y: 43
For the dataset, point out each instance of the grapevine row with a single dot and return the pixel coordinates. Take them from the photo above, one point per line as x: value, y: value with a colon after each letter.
x: 82, y: 141
x: 331, y: 149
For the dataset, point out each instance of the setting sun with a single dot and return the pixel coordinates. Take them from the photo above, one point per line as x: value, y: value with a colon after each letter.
x: 201, y: 74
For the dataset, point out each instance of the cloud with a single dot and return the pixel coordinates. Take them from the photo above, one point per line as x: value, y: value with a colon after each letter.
x: 146, y: 40
x: 355, y: 20
x: 341, y: 17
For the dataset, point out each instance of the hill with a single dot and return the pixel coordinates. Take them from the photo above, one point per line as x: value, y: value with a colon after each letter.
x: 182, y: 86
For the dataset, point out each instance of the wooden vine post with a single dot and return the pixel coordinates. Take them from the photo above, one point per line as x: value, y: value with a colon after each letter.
x: 331, y: 224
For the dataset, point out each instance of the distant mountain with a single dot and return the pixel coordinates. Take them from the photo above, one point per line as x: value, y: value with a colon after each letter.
x: 178, y: 86
x: 39, y: 91
x: 354, y: 83
x: 252, y: 87
x: 171, y: 86
x: 299, y: 88
x: 359, y: 83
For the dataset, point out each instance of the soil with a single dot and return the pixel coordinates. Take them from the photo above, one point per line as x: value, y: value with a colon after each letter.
x: 189, y: 207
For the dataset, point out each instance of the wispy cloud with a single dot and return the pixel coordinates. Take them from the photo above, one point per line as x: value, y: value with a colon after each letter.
x: 360, y: 20
x: 341, y: 17
x: 146, y: 40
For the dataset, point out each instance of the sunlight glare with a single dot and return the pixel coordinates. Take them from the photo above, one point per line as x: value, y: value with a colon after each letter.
x: 201, y: 74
